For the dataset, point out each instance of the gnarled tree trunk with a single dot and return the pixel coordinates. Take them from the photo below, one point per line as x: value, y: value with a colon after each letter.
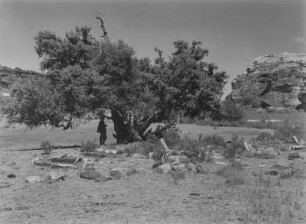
x: 127, y: 131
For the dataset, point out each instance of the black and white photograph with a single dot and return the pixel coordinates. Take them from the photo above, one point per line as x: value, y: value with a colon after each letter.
x: 152, y: 111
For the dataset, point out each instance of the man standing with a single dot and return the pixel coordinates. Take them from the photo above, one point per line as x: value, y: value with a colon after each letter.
x: 102, y: 130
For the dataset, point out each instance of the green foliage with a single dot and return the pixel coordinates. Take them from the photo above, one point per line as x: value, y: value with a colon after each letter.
x: 172, y: 136
x: 83, y: 75
x: 186, y: 83
x: 265, y: 137
x: 287, y: 131
x: 214, y: 140
x: 78, y: 47
x: 232, y: 112
x: 47, y: 147
x: 89, y: 146
x: 232, y: 149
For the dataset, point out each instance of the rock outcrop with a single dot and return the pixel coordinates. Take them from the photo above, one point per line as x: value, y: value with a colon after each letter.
x: 277, y: 81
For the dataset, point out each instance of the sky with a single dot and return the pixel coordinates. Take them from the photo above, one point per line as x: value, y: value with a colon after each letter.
x: 234, y: 31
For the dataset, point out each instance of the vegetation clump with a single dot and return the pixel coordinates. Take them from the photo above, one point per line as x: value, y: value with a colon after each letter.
x: 89, y: 146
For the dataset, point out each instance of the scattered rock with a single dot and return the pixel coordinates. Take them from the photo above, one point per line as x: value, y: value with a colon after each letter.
x: 117, y: 173
x: 177, y: 175
x: 96, y: 154
x: 195, y: 194
x: 174, y: 159
x: 20, y: 208
x: 56, y: 176
x: 180, y: 167
x: 12, y: 164
x: 11, y: 175
x: 272, y: 172
x: 264, y: 155
x: 298, y: 167
x: 237, y: 165
x: 130, y: 171
x: 90, y: 174
x: 157, y: 164
x: 200, y: 169
x: 66, y: 159
x: 103, y: 178
x: 6, y: 209
x: 48, y: 163
x: 165, y: 168
x: 35, y: 179
x: 294, y: 155
x: 286, y: 173
x: 184, y: 159
x: 139, y: 156
x: 5, y: 184
x: 151, y: 154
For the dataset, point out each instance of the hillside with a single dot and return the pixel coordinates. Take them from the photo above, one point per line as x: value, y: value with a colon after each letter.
x: 276, y: 81
x: 9, y: 75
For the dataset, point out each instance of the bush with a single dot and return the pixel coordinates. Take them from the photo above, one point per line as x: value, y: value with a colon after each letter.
x: 232, y: 149
x: 47, y: 147
x: 214, y: 140
x: 172, y: 136
x: 231, y: 112
x: 150, y: 146
x: 196, y: 150
x: 89, y: 146
x: 265, y: 137
x: 286, y: 132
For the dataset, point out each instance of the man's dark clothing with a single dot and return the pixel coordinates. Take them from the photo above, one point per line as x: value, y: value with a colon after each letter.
x: 102, y: 131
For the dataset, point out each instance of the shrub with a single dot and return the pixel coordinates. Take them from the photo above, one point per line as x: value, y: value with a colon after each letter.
x: 214, y: 140
x: 232, y: 149
x: 172, y: 136
x: 47, y: 147
x: 230, y: 111
x: 265, y: 137
x: 232, y: 174
x: 286, y: 132
x: 196, y: 150
x: 150, y: 146
x: 89, y: 146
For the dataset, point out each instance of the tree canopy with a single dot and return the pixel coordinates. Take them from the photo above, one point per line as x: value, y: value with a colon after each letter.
x: 83, y: 75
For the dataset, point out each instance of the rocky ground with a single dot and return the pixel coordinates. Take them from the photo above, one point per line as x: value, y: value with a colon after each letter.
x: 254, y: 188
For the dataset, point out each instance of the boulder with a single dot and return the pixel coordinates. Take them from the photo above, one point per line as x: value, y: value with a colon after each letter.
x: 56, y: 176
x: 139, y: 156
x: 35, y: 179
x: 5, y: 184
x: 174, y: 159
x: 130, y: 171
x: 200, y: 169
x: 103, y: 178
x: 117, y: 173
x: 11, y: 175
x: 165, y: 168
x: 90, y: 174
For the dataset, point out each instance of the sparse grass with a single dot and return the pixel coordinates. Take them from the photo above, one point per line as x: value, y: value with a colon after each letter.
x: 233, y: 174
x: 213, y: 140
x: 287, y: 131
x: 47, y: 147
x: 265, y: 137
x: 271, y: 204
x: 235, y: 145
x: 89, y: 146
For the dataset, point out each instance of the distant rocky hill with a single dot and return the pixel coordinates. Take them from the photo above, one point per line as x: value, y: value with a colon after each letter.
x: 273, y: 81
x: 9, y: 75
